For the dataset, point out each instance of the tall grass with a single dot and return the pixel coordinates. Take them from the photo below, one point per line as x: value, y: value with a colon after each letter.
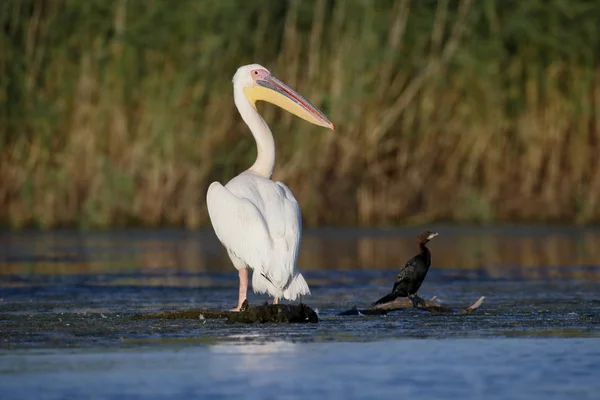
x: 117, y: 113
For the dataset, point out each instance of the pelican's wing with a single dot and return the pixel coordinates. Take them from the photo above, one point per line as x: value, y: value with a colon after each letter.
x: 281, y: 213
x: 288, y: 244
x: 287, y: 231
x: 240, y: 226
x: 258, y: 221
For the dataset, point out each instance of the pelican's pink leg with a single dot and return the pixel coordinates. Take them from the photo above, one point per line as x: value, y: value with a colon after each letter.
x: 243, y: 273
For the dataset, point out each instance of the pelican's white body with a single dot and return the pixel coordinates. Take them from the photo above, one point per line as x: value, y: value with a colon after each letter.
x: 258, y: 220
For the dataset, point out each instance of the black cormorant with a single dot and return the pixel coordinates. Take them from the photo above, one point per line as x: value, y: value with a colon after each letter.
x: 413, y: 273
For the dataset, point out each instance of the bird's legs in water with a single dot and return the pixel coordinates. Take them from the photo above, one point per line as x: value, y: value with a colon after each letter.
x: 411, y: 297
x: 243, y: 273
x: 275, y: 300
x: 416, y: 300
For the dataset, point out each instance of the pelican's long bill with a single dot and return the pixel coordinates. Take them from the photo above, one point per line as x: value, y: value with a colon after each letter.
x: 276, y: 92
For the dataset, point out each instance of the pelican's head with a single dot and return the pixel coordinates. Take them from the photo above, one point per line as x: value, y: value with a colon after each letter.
x: 258, y: 84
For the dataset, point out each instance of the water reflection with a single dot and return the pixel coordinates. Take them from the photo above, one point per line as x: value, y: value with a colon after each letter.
x: 193, y: 258
x: 266, y: 356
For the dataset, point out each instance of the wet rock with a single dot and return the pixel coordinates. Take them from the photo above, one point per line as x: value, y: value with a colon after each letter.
x: 194, y: 313
x: 278, y: 313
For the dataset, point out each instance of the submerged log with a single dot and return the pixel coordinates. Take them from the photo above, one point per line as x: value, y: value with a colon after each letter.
x: 301, y: 313
x: 405, y: 303
x: 278, y: 313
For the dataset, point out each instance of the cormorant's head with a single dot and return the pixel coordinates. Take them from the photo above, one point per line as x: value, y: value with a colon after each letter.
x: 426, y: 236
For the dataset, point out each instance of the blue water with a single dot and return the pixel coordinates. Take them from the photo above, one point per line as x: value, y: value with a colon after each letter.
x: 67, y: 300
x: 409, y: 368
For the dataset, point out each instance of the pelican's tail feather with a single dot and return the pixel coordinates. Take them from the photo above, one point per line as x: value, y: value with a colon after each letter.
x: 297, y: 287
x: 262, y: 284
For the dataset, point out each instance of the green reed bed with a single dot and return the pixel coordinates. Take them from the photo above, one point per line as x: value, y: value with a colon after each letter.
x: 117, y: 113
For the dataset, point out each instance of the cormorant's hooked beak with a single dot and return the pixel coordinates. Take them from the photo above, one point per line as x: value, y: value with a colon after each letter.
x: 432, y: 235
x: 276, y: 92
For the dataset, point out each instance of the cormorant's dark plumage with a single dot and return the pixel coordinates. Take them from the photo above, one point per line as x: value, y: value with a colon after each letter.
x: 413, y: 273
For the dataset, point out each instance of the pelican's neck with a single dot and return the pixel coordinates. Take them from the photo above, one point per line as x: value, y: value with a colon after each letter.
x: 265, y: 145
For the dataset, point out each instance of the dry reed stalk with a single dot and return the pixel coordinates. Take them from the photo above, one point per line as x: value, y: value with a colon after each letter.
x: 127, y: 117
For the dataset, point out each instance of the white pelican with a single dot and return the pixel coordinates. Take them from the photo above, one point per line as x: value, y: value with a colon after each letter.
x: 258, y: 220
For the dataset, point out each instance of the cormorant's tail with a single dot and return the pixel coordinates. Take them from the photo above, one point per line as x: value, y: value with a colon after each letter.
x: 386, y: 299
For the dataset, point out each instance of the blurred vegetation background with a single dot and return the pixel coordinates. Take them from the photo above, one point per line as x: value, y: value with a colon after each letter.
x: 120, y: 113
